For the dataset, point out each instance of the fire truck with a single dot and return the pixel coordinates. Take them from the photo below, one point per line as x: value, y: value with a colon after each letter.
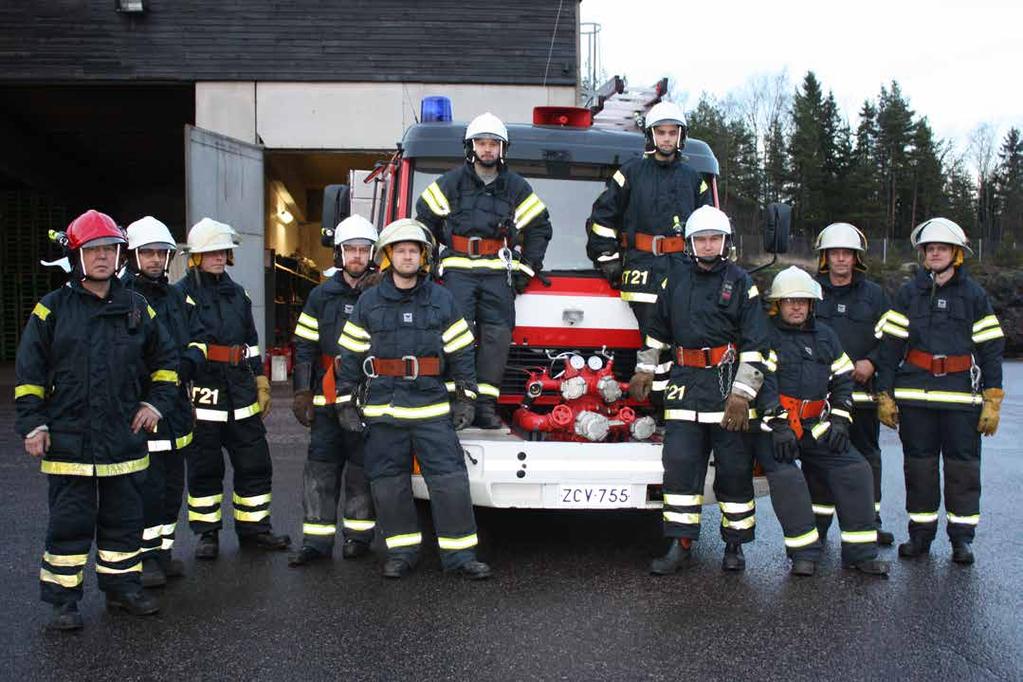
x: 573, y: 438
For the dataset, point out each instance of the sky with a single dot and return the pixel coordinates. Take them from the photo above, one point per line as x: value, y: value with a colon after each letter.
x: 958, y: 63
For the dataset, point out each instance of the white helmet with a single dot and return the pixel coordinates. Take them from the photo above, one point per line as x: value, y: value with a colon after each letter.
x: 941, y: 231
x: 209, y: 235
x: 150, y: 231
x: 794, y: 282
x: 354, y: 227
x: 665, y: 113
x: 708, y: 219
x: 486, y: 127
x: 404, y: 230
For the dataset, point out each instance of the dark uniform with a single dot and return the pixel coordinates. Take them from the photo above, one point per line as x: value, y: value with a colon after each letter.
x: 411, y: 413
x: 227, y: 410
x: 473, y: 220
x: 170, y: 444
x: 953, y: 332
x: 79, y: 371
x: 853, y: 311
x: 711, y: 314
x: 813, y: 368
x: 333, y: 452
x: 639, y: 219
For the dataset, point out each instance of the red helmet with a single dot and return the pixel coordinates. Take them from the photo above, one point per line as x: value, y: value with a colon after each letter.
x: 90, y: 228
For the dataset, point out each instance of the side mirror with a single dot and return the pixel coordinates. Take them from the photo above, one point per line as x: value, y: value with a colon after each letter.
x: 777, y: 226
x: 336, y: 207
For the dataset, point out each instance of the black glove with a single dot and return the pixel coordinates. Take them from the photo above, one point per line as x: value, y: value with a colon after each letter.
x: 520, y: 281
x: 611, y: 271
x: 462, y: 413
x: 349, y: 418
x: 838, y: 435
x: 784, y: 441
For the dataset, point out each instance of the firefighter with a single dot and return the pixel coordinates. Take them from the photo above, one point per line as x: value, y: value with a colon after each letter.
x: 940, y: 384
x: 334, y: 454
x: 82, y: 408
x: 230, y: 395
x: 150, y: 249
x: 815, y: 384
x: 708, y: 316
x: 403, y: 349
x: 495, y: 230
x: 852, y: 306
x: 635, y: 231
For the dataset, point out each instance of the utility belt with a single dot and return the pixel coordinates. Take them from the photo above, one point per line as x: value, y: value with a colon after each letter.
x: 704, y: 358
x: 939, y: 365
x: 657, y: 244
x: 407, y: 367
x: 799, y: 409
x: 230, y: 355
x: 476, y: 247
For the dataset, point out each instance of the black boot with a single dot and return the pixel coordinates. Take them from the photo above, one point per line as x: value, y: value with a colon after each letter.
x: 305, y: 555
x: 266, y: 540
x: 65, y: 617
x: 208, y: 546
x: 137, y: 603
x: 962, y: 552
x: 734, y: 560
x: 884, y: 538
x: 472, y: 570
x: 152, y: 573
x: 870, y: 567
x: 803, y: 567
x: 353, y: 549
x: 679, y: 557
x: 399, y: 566
x: 914, y: 548
x: 486, y: 414
x: 172, y: 568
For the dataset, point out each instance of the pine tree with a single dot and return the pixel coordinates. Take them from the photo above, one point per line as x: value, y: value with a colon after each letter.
x: 864, y: 186
x: 806, y: 156
x: 1008, y: 187
x: 895, y: 132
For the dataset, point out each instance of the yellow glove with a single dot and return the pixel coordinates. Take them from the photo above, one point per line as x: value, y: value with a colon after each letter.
x: 988, y: 423
x: 263, y: 395
x: 887, y: 410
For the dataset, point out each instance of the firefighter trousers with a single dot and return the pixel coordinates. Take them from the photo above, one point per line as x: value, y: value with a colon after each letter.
x: 389, y: 449
x: 245, y: 442
x: 864, y: 435
x: 952, y: 434
x: 335, y: 459
x: 107, y: 508
x: 685, y: 456
x: 487, y: 302
x: 161, y: 498
x: 790, y: 499
x: 848, y: 481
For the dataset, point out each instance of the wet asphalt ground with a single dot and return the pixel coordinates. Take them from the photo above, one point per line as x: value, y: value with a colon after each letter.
x: 571, y: 598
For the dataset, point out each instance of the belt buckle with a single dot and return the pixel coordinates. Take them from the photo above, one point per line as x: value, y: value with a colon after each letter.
x: 411, y: 363
x: 236, y: 354
x: 802, y: 409
x: 367, y: 367
x: 707, y: 364
x: 474, y: 247
x: 655, y: 244
x: 938, y: 361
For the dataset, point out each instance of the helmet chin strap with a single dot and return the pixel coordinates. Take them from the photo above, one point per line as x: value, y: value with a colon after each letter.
x: 85, y: 275
x: 711, y: 259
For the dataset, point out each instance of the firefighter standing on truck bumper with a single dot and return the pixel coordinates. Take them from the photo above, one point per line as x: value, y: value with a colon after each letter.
x: 231, y: 396
x: 150, y: 249
x: 81, y: 407
x: 852, y: 306
x: 815, y: 388
x: 335, y: 455
x: 708, y: 317
x: 404, y: 348
x: 635, y: 230
x: 940, y: 384
x: 495, y: 230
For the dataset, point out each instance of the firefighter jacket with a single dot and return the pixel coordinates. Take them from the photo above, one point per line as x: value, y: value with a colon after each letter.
x: 319, y: 327
x: 221, y: 390
x: 812, y: 366
x: 460, y: 203
x: 955, y: 319
x: 84, y: 366
x: 649, y: 197
x: 186, y: 332
x: 392, y: 323
x: 707, y: 309
x: 852, y: 312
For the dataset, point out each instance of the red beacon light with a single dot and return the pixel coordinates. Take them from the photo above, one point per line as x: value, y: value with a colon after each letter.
x: 566, y: 117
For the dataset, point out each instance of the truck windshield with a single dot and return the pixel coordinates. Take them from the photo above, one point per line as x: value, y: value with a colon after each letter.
x: 569, y: 198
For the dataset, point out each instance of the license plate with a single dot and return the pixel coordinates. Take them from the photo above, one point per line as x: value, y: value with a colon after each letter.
x: 595, y: 495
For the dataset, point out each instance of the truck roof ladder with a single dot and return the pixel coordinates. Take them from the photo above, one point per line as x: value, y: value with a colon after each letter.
x: 619, y: 107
